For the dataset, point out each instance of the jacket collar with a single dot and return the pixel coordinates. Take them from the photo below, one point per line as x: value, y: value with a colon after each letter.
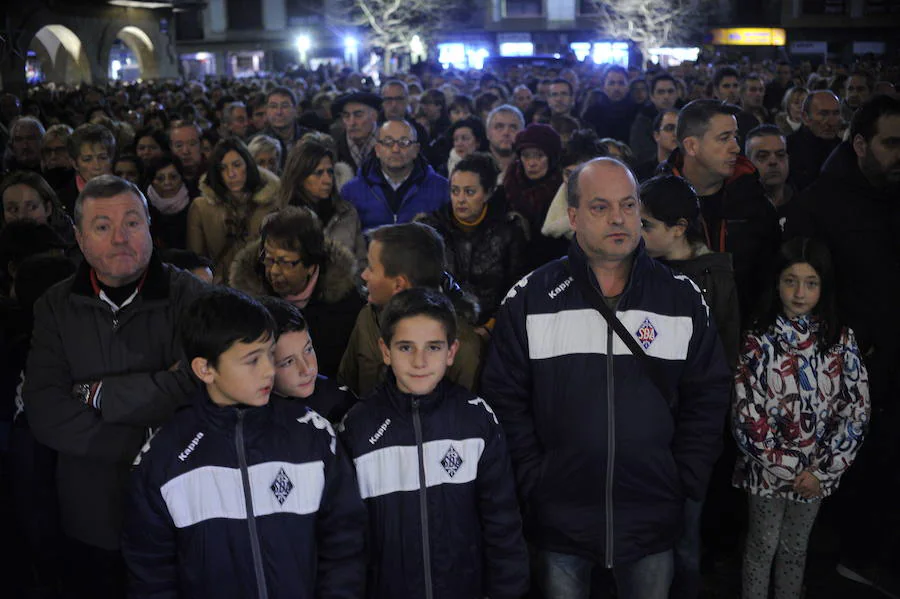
x: 403, y: 402
x: 155, y: 287
x: 579, y: 266
x: 225, y: 418
x: 675, y: 163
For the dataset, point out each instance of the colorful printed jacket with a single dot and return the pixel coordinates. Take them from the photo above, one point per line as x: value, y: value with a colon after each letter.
x: 797, y: 408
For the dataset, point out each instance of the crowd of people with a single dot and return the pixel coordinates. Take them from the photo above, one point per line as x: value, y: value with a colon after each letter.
x: 453, y: 334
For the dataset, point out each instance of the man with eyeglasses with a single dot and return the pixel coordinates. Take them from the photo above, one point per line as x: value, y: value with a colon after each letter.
x: 359, y: 118
x: 664, y: 136
x: 25, y: 145
x: 395, y: 107
x: 281, y: 119
x: 642, y: 140
x: 395, y: 184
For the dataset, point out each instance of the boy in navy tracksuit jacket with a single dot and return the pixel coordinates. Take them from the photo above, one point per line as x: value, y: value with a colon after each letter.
x: 433, y: 468
x: 239, y: 496
x: 297, y: 377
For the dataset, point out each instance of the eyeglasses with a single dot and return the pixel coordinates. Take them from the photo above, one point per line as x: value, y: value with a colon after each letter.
x: 668, y: 128
x: 281, y: 263
x: 404, y: 142
x: 560, y: 95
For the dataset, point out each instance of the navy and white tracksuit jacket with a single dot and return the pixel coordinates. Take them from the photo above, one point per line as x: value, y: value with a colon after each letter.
x: 187, y: 532
x: 603, y: 462
x: 435, y: 474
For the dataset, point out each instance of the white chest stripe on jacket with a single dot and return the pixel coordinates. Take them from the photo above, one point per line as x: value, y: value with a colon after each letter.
x: 584, y: 332
x: 394, y: 469
x: 217, y: 492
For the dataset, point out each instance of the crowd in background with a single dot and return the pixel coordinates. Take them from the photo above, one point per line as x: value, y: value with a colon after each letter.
x: 292, y: 187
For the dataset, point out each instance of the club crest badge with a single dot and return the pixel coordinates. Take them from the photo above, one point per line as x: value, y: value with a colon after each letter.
x: 646, y: 334
x: 452, y: 461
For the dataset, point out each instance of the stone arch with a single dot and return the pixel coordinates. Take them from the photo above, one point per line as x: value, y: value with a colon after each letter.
x: 143, y: 47
x: 67, y: 56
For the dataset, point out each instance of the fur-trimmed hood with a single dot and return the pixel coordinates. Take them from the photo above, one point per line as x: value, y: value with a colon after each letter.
x: 335, y: 280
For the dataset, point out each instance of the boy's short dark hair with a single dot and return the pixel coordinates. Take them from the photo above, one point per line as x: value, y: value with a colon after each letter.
x: 418, y: 301
x: 218, y: 319
x: 288, y: 317
x: 413, y: 250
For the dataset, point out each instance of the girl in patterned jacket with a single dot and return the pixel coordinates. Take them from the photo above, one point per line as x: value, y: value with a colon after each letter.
x: 800, y: 413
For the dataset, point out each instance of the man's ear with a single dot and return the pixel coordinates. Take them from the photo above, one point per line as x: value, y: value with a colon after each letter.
x: 401, y: 283
x: 691, y: 145
x: 860, y: 146
x: 451, y: 355
x: 385, y: 352
x: 203, y: 370
x: 571, y: 212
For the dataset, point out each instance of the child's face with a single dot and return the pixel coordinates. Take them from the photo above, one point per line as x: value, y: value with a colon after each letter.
x: 419, y: 354
x: 799, y: 287
x: 296, y: 366
x: 243, y: 376
x: 380, y: 286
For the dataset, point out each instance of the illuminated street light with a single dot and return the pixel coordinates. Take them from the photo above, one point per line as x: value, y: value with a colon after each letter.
x: 350, y: 51
x: 303, y: 46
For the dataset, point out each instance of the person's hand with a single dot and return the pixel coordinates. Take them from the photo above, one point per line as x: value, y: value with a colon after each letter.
x: 807, y: 485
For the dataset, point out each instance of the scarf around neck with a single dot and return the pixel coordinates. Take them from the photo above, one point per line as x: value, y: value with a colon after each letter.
x: 173, y: 205
x: 301, y: 300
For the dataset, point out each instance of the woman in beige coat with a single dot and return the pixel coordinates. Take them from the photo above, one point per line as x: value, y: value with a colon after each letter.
x: 236, y: 197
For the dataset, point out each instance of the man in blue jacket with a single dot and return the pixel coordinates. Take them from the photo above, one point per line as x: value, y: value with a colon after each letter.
x: 395, y: 185
x: 607, y: 445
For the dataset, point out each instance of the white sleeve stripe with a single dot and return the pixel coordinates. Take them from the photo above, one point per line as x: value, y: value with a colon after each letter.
x: 395, y: 469
x: 218, y: 492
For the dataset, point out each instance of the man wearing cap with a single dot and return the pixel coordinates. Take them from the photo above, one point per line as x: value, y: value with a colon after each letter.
x: 102, y: 371
x: 395, y: 184
x: 359, y: 116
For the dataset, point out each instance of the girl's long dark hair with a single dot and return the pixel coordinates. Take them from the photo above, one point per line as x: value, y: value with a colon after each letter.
x: 802, y: 250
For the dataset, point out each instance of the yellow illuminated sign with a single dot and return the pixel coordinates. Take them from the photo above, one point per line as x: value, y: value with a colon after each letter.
x: 748, y: 36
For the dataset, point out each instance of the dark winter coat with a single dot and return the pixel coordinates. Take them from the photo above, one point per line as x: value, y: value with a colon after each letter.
x: 747, y: 227
x: 332, y: 309
x: 859, y: 223
x: 486, y: 261
x: 807, y: 154
x: 714, y: 275
x: 435, y: 473
x: 640, y: 139
x: 612, y: 119
x: 237, y: 502
x: 603, y: 461
x: 532, y: 200
x: 78, y: 338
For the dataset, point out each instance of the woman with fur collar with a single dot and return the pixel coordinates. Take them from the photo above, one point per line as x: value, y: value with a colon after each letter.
x: 236, y: 196
x: 294, y: 260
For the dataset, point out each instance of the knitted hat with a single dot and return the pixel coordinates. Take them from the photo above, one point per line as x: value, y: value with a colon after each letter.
x: 542, y: 137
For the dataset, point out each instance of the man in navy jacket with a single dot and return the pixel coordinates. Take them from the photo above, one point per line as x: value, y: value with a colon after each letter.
x: 395, y: 185
x: 605, y: 458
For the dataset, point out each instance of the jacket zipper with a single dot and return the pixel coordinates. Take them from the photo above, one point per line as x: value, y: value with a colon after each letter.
x: 610, y: 444
x: 423, y: 500
x: 251, y: 518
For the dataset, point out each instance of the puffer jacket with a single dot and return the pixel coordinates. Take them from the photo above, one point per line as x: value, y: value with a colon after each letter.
x: 797, y: 408
x: 219, y: 229
x: 332, y: 310
x: 79, y: 338
x: 435, y: 474
x: 714, y: 275
x: 426, y: 191
x: 748, y: 227
x: 486, y: 260
x: 238, y: 502
x: 603, y: 461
